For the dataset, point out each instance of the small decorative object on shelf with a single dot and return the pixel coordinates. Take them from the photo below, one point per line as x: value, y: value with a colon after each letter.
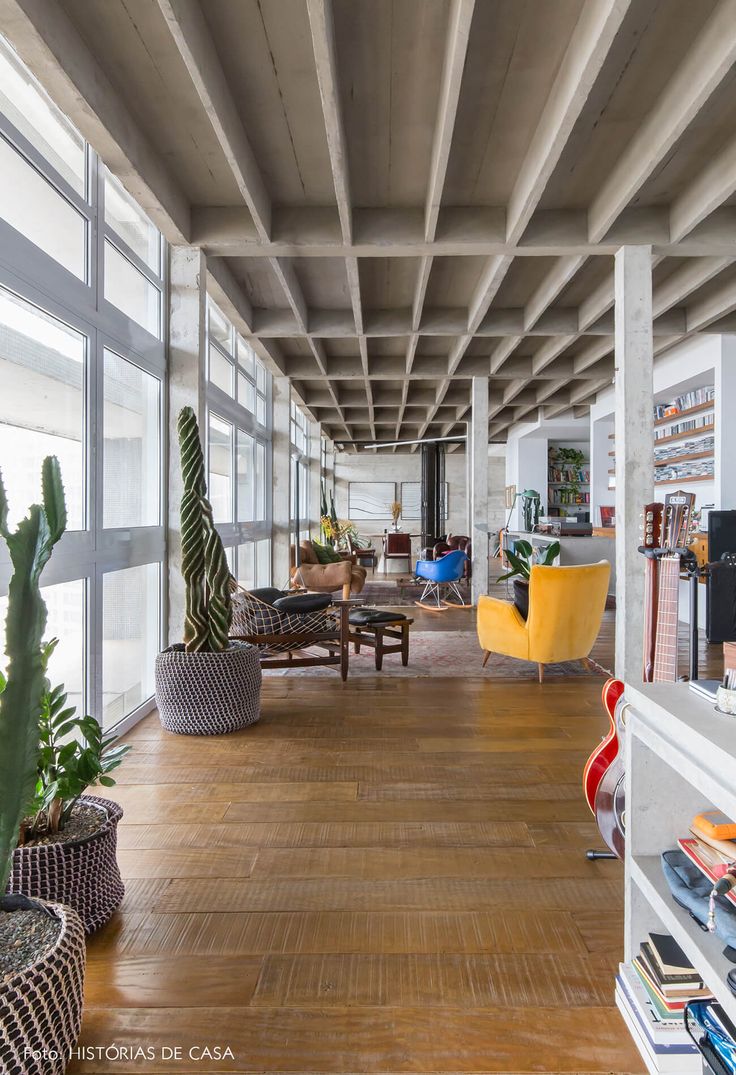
x: 726, y: 695
x: 395, y: 513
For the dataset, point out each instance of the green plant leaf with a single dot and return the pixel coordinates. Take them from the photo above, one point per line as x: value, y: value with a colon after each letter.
x: 107, y: 781
x: 53, y: 497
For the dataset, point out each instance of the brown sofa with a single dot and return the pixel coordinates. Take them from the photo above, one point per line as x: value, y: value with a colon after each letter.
x: 325, y: 578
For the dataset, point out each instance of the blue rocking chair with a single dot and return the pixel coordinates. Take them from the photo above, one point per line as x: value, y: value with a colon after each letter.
x: 440, y: 576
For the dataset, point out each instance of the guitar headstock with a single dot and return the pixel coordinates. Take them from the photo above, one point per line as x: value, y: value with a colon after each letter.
x: 652, y: 525
x: 677, y: 523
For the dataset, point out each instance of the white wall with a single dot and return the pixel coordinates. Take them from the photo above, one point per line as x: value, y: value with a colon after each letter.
x: 406, y: 467
x: 527, y: 460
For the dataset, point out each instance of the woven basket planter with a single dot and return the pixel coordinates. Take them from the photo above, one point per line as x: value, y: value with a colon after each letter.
x: 41, y: 1005
x: 208, y: 693
x: 83, y: 874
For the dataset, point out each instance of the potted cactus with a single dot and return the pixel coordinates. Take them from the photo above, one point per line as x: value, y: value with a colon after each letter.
x: 208, y: 684
x: 42, y: 952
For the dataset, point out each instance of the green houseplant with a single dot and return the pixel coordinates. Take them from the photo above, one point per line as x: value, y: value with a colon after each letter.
x: 42, y: 951
x: 208, y: 684
x: 67, y: 847
x: 521, y: 558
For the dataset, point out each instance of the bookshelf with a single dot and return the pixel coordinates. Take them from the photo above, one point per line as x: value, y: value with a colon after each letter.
x: 568, y: 480
x: 680, y: 759
x: 695, y: 462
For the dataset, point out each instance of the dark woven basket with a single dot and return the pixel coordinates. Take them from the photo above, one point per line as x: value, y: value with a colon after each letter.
x: 41, y: 1005
x: 83, y: 874
x: 208, y: 693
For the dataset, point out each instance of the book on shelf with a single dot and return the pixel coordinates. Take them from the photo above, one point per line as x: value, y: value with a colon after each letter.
x: 687, y: 425
x: 707, y: 859
x: 667, y: 1034
x: 671, y: 985
x: 698, y: 397
x: 670, y: 960
x: 665, y: 1006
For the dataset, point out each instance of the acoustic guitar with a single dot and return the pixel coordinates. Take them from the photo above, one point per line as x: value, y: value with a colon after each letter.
x: 661, y: 635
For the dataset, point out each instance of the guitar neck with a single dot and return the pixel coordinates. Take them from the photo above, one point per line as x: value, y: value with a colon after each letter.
x: 665, y: 651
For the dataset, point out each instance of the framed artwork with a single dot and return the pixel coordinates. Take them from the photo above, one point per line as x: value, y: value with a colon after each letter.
x: 608, y: 517
x: 510, y: 494
x: 411, y: 503
x: 370, y: 500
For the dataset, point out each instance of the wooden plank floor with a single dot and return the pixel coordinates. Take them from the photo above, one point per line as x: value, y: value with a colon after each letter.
x: 382, y: 876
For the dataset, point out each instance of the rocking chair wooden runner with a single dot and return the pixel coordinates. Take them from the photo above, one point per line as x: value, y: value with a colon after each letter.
x: 285, y: 628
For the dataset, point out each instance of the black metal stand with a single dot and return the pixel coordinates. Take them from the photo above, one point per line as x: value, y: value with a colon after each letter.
x: 593, y: 855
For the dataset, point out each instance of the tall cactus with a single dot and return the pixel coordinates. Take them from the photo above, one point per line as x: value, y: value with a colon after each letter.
x: 203, y: 562
x: 30, y: 547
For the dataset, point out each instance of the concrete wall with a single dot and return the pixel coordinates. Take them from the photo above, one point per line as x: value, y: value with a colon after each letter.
x: 405, y: 467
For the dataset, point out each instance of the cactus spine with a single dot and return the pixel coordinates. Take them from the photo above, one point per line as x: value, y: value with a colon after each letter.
x: 203, y: 561
x: 30, y: 547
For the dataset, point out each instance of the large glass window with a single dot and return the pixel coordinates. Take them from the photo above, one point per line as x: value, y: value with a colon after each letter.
x: 239, y: 446
x: 35, y: 208
x: 246, y: 476
x: 131, y: 631
x: 127, y: 288
x: 132, y: 459
x: 42, y: 405
x: 131, y: 224
x: 221, y: 473
x: 82, y: 379
x: 31, y: 111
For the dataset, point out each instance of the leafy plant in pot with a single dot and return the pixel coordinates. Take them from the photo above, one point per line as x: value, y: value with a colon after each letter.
x: 42, y: 951
x: 521, y: 558
x: 68, y: 840
x: 208, y: 684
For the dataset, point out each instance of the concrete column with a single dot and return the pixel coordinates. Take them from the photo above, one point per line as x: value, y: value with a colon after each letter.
x: 315, y: 478
x: 187, y: 387
x: 634, y: 429
x: 478, y: 447
x: 281, y: 485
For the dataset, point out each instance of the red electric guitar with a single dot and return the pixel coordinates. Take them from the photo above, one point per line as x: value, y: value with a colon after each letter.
x: 666, y: 531
x: 603, y: 776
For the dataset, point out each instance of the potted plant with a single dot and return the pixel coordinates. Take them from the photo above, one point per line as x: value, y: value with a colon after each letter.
x: 68, y: 841
x: 395, y: 514
x: 42, y: 951
x: 521, y: 558
x: 208, y: 684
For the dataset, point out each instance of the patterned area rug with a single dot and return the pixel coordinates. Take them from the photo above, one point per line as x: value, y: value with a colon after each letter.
x: 442, y: 653
x: 393, y: 592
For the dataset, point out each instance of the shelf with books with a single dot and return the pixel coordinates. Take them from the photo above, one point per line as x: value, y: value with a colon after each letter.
x: 681, y: 756
x: 708, y: 405
x: 705, y: 950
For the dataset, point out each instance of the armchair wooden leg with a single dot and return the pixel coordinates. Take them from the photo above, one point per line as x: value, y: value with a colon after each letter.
x: 540, y: 668
x: 486, y: 655
x: 346, y: 592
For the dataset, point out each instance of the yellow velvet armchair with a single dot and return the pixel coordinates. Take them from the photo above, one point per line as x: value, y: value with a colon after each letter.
x: 565, y: 611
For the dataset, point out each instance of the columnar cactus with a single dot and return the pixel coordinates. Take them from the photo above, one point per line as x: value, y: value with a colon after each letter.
x: 203, y: 561
x: 30, y: 547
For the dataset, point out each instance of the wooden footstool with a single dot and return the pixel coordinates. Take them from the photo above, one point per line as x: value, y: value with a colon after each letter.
x: 371, y: 627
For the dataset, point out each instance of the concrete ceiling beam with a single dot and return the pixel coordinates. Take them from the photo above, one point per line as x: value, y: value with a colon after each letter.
x: 188, y: 27
x: 706, y: 64
x: 589, y: 45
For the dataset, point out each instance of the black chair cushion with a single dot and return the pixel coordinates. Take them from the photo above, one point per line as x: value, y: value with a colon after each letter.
x: 303, y: 602
x: 268, y: 594
x: 362, y: 617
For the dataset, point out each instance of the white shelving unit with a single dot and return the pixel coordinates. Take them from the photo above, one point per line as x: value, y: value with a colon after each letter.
x: 680, y: 760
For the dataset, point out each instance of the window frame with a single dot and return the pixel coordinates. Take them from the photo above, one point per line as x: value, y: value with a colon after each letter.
x: 36, y: 277
x: 228, y: 409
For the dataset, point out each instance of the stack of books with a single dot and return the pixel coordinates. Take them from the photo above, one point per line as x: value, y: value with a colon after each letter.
x: 711, y: 846
x: 651, y: 993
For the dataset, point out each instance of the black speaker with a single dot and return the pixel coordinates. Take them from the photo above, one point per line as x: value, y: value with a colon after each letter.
x: 720, y: 591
